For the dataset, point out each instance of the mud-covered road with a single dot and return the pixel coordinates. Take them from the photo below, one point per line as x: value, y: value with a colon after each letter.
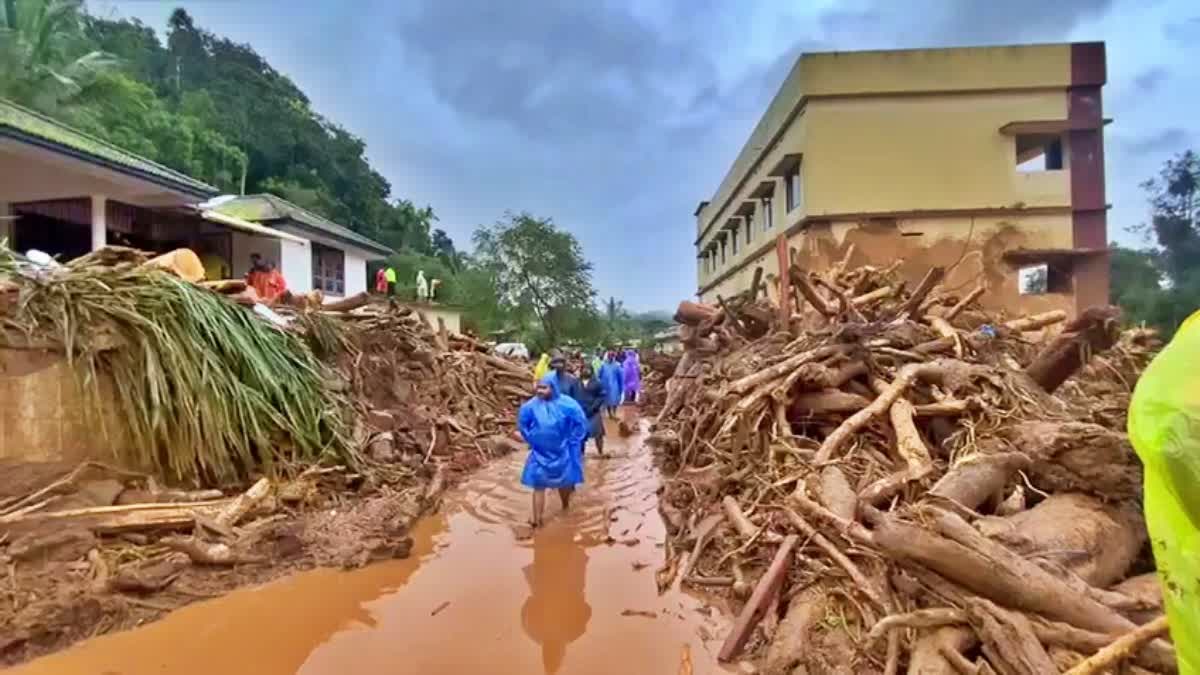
x: 477, y: 596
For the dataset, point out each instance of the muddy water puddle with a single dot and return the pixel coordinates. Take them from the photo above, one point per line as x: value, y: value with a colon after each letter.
x: 477, y: 596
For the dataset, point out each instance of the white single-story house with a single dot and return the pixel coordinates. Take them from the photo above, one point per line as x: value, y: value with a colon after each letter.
x: 334, y: 260
x: 67, y: 193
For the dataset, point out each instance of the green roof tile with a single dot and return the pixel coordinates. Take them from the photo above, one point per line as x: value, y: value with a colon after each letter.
x: 23, y: 123
x: 267, y: 206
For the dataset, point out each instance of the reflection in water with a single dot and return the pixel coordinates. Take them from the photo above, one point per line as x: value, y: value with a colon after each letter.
x: 474, y: 598
x: 555, y: 613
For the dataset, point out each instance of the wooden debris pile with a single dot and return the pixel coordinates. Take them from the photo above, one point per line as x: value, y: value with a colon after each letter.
x: 423, y: 392
x: 334, y: 434
x: 884, y: 477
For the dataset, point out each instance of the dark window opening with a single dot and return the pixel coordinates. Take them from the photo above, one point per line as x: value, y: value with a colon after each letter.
x: 722, y: 252
x: 1039, y: 152
x: 768, y: 220
x: 1044, y: 278
x: 795, y: 188
x: 733, y: 235
x: 749, y: 226
x: 328, y: 269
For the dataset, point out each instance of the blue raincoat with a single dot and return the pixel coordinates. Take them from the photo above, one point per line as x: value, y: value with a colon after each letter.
x: 614, y: 383
x: 555, y: 430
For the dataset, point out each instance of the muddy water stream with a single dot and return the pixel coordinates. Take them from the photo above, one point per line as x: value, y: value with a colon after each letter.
x: 475, y: 597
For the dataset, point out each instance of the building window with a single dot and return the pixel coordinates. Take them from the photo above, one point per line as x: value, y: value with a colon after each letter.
x: 767, y: 219
x: 329, y: 269
x: 733, y: 234
x: 722, y: 251
x: 1043, y: 278
x: 795, y: 188
x: 1039, y: 152
x: 749, y: 226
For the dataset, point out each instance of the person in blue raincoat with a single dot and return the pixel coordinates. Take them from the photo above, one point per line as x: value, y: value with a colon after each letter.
x: 614, y: 383
x: 554, y: 426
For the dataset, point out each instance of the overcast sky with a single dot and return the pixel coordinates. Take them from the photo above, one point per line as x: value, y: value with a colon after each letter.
x: 616, y: 118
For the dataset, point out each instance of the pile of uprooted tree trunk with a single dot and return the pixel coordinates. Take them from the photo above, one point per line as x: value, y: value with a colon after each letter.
x: 424, y: 393
x: 884, y: 478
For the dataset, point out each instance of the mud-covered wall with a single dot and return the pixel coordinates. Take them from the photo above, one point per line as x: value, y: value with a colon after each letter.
x: 971, y: 250
x: 43, y: 412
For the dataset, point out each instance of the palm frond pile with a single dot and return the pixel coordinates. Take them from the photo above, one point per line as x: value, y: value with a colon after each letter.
x: 208, y: 392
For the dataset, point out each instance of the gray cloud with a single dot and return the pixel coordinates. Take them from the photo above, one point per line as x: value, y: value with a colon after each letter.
x: 616, y: 118
x: 1148, y: 81
x: 1162, y: 141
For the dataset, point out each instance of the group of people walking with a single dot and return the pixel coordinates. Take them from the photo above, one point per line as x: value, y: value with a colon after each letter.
x: 564, y: 412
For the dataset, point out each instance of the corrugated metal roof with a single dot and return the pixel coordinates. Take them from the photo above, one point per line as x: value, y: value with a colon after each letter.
x: 27, y: 125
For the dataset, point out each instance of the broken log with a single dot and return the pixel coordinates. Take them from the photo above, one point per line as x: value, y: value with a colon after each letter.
x: 994, y: 572
x: 973, y: 479
x: 800, y: 280
x: 834, y: 441
x: 742, y: 524
x: 346, y: 304
x: 1095, y: 330
x: 909, y: 445
x: 836, y: 494
x: 113, y: 519
x: 694, y: 313
x: 862, y: 583
x: 242, y: 504
x: 877, y: 294
x: 921, y: 618
x: 1037, y: 321
x: 931, y: 279
x: 769, y: 586
x: 1121, y: 648
x: 182, y: 262
x: 827, y: 401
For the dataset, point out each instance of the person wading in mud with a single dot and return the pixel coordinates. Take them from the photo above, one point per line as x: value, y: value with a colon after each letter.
x: 613, y: 378
x: 591, y: 399
x: 568, y: 384
x: 555, y: 427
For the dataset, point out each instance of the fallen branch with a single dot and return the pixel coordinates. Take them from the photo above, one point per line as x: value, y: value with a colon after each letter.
x: 931, y: 279
x: 742, y: 524
x: 861, y: 582
x: 1094, y: 330
x: 921, y: 618
x: 242, y: 504
x: 962, y: 304
x: 1121, y: 648
x: 1037, y: 321
x: 768, y: 587
x: 908, y: 374
x: 800, y: 280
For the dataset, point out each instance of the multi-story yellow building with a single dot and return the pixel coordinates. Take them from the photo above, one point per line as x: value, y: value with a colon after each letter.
x: 988, y: 161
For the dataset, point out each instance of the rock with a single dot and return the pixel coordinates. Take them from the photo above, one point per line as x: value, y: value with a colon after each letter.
x: 383, y: 447
x: 381, y: 420
x: 101, y: 492
x: 59, y: 546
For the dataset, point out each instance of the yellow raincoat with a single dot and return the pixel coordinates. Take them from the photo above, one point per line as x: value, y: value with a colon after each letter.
x: 1164, y: 426
x: 543, y: 367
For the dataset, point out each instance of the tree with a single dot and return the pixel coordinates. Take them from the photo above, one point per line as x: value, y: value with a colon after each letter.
x: 1161, y: 286
x: 539, y: 266
x: 45, y: 58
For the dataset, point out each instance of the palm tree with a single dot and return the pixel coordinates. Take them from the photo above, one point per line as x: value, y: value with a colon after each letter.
x: 44, y: 62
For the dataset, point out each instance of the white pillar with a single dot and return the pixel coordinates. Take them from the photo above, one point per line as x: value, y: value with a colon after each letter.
x: 99, y: 222
x: 7, y: 225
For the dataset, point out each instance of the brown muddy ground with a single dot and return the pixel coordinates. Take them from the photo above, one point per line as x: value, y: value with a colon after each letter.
x: 477, y: 596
